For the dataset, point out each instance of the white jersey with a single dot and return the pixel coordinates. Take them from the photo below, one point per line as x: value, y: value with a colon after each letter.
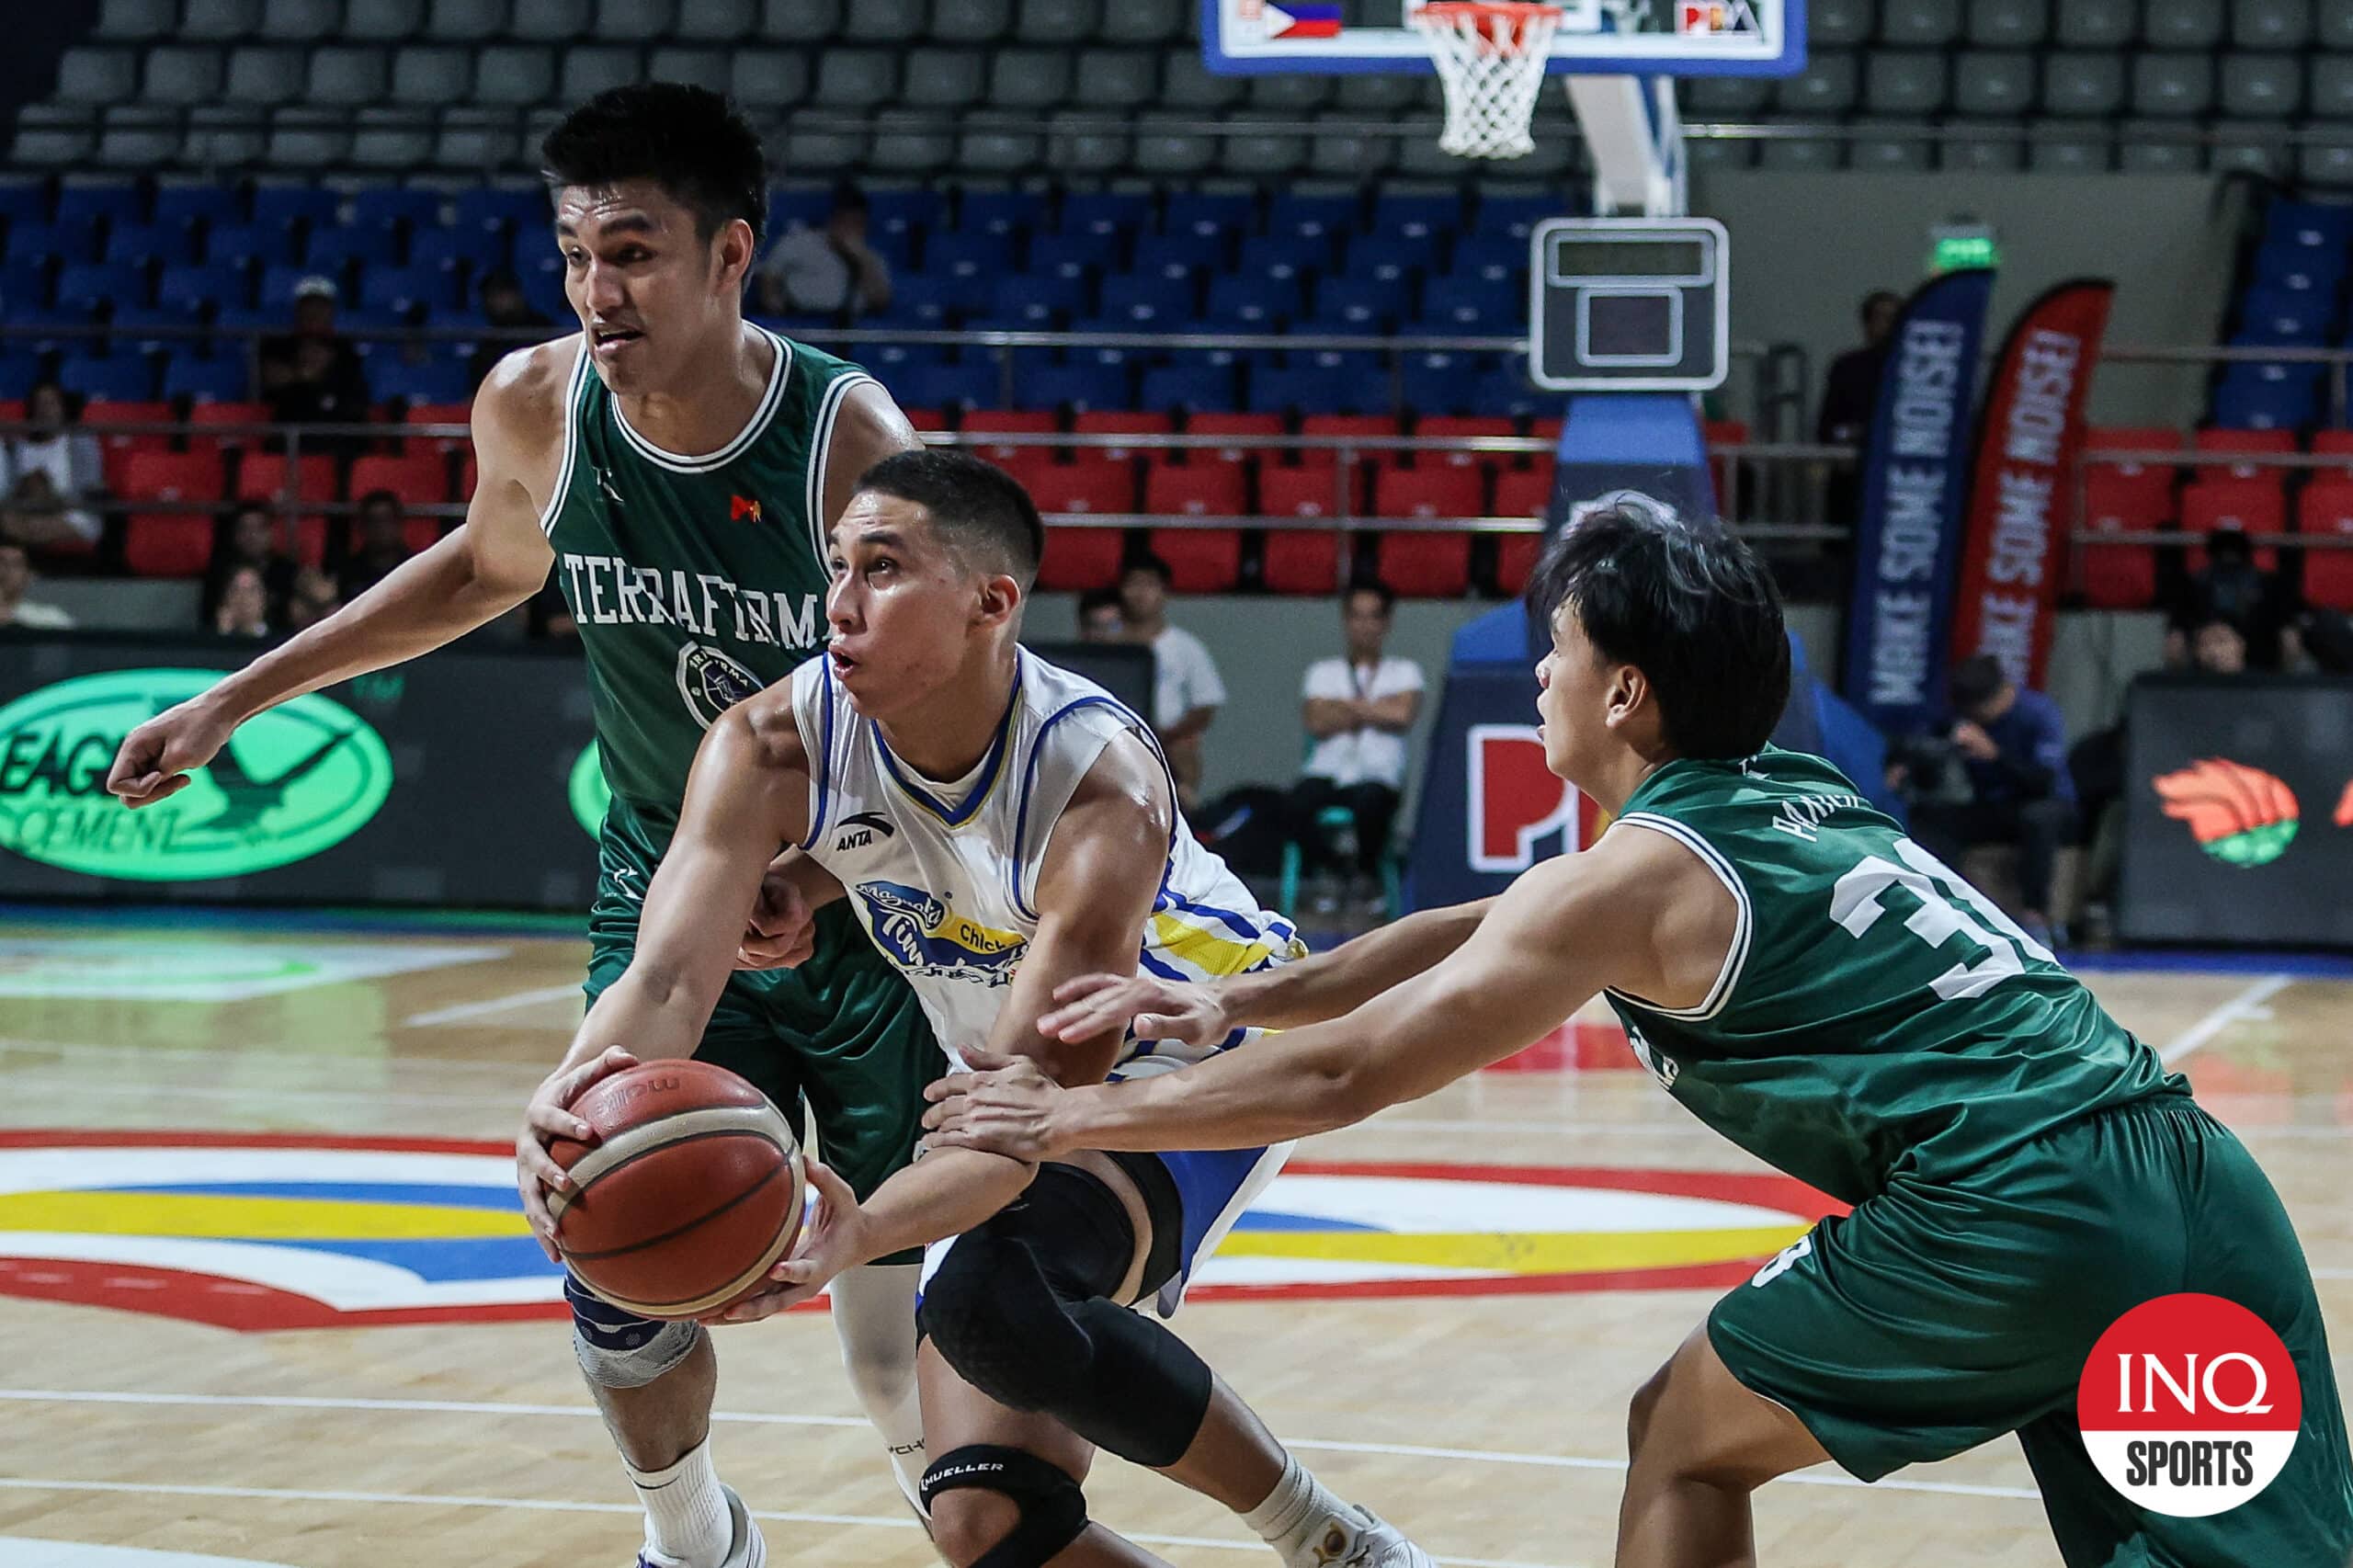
x: 947, y: 889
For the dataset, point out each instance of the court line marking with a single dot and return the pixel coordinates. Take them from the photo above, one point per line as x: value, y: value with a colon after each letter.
x: 555, y: 1506
x: 54, y: 1084
x: 465, y: 1010
x: 2237, y: 1008
x: 761, y: 1418
x: 105, y: 1051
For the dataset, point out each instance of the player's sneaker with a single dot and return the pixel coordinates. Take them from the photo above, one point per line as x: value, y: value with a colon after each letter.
x: 1365, y: 1541
x: 745, y: 1548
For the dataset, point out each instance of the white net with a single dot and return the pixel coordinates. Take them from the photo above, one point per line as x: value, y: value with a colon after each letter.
x: 1491, y: 61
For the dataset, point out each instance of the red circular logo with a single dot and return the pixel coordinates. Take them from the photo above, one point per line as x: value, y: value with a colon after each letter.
x: 2189, y: 1405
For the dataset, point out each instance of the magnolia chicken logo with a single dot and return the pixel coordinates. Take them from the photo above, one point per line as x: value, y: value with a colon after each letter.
x: 2239, y: 814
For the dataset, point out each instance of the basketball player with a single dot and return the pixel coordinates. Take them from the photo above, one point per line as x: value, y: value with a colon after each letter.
x: 998, y: 826
x: 1812, y: 986
x: 677, y: 466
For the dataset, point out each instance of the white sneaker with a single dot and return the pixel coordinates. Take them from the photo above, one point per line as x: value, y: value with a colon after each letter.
x: 1366, y: 1542
x: 745, y: 1548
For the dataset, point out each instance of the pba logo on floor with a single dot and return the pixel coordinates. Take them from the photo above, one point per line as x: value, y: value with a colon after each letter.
x: 252, y: 1231
x: 1520, y: 810
x: 2189, y: 1406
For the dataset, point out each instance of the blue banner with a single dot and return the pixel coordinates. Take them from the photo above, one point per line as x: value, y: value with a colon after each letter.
x: 1915, y: 475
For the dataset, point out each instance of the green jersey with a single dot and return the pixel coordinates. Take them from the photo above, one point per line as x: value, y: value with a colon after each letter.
x: 1876, y: 1017
x: 694, y: 581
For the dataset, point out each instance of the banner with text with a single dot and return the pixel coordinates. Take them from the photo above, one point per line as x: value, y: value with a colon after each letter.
x: 2013, y: 551
x: 1907, y: 540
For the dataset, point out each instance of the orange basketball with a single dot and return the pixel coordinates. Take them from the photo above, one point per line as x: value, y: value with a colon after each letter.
x: 691, y: 1192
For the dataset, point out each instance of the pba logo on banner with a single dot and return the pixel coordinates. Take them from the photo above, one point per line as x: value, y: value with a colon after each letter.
x: 1520, y: 810
x: 1716, y: 18
x: 1908, y: 538
x: 2189, y: 1406
x: 2011, y: 561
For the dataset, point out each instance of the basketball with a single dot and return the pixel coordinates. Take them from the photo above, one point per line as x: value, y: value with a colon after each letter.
x: 690, y: 1193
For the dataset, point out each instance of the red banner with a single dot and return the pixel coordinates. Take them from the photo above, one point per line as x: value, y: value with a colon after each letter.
x: 2014, y: 554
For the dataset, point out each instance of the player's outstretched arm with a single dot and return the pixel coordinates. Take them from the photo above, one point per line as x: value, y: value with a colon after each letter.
x: 1095, y: 890
x: 491, y: 562
x: 1323, y: 986
x: 1563, y: 932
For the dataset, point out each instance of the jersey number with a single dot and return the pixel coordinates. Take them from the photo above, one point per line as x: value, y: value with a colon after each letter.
x: 1947, y: 907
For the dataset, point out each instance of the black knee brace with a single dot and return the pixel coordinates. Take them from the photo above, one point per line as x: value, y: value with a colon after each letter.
x: 1018, y: 1308
x: 1053, y: 1510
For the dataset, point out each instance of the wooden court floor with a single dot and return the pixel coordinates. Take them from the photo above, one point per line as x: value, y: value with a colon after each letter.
x: 261, y: 1299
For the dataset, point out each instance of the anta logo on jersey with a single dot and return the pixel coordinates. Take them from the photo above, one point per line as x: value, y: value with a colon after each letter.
x: 1520, y: 811
x: 924, y: 937
x: 260, y: 1231
x: 858, y: 830
x: 1716, y: 19
x: 740, y: 510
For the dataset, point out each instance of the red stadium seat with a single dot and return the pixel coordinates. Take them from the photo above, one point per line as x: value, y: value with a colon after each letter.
x: 1080, y: 558
x: 438, y: 413
x: 1428, y: 492
x: 1202, y: 561
x: 2220, y: 440
x: 1121, y: 422
x: 1525, y: 492
x: 262, y: 477
x: 925, y: 418
x: 2334, y: 443
x: 2252, y: 506
x: 1373, y: 426
x: 115, y: 445
x: 2122, y: 577
x: 170, y: 544
x: 1720, y: 433
x: 1250, y: 431
x: 211, y: 413
x: 419, y: 479
x: 1302, y: 560
x: 1516, y: 557
x: 2326, y: 508
x: 1421, y: 564
x: 467, y: 473
x: 1459, y: 427
x: 1104, y: 486
x: 1008, y: 421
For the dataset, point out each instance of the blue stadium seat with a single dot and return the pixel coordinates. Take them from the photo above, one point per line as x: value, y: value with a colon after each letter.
x: 437, y: 380
x: 1469, y: 305
x: 1087, y: 247
x: 1331, y: 381
x: 1255, y: 303
x: 481, y: 248
x: 1203, y: 249
x: 1002, y: 212
x: 245, y: 320
x: 268, y: 244
x: 2303, y: 267
x: 970, y: 385
x: 1505, y: 393
x: 787, y: 206
x: 1443, y: 383
x: 889, y: 361
x: 100, y: 283
x: 1040, y: 297
x: 1514, y: 217
x: 1394, y: 214
x: 24, y: 288
x: 1301, y: 251
x: 902, y: 210
x: 206, y: 381
x: 99, y: 203
x: 28, y: 241
x: 276, y: 290
x: 332, y: 250
x: 2267, y: 397
x: 166, y: 242
x: 1357, y: 304
x: 24, y: 201
x: 1370, y: 252
x: 383, y: 206
x: 541, y: 274
x: 1218, y: 210
x: 950, y: 255
x: 1159, y: 296
x: 197, y: 204
x: 1319, y: 216
x: 148, y: 329
x: 2272, y: 315
x: 1081, y: 386
x: 919, y: 302
x: 1104, y: 212
x: 19, y: 372
x: 499, y: 207
x: 1191, y: 384
x: 116, y: 378
x: 286, y: 204
x: 2314, y: 225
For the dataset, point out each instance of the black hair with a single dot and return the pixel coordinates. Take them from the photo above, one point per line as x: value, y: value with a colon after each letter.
x: 1873, y: 300
x: 982, y: 511
x: 1688, y: 605
x: 688, y: 140
x: 2229, y: 544
x: 1376, y: 589
x: 1977, y: 680
x: 1145, y: 560
x: 849, y: 197
x: 1097, y: 598
x: 379, y: 497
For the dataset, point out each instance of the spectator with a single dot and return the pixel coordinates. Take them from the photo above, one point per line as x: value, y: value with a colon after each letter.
x: 313, y: 375
x: 1357, y: 710
x: 1100, y: 618
x: 503, y: 306
x: 2217, y: 649
x: 830, y: 272
x: 378, y: 544
x: 1187, y: 692
x: 244, y: 605
x: 48, y: 476
x: 2233, y: 589
x: 2013, y: 750
x: 312, y: 599
x: 1850, y: 393
x: 15, y: 576
x: 251, y: 540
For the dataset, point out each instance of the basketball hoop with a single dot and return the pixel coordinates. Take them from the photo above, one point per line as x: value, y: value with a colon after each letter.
x: 1491, y: 59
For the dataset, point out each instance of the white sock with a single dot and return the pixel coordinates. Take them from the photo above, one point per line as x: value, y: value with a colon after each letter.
x: 685, y: 1516
x: 1298, y: 1514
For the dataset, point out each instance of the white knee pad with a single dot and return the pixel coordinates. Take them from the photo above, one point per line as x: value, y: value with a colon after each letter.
x: 613, y: 1366
x: 874, y: 1314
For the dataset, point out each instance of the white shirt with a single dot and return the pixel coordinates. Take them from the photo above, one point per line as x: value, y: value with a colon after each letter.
x: 1184, y: 677
x: 1367, y: 754
x: 70, y: 461
x: 812, y: 274
x: 35, y: 617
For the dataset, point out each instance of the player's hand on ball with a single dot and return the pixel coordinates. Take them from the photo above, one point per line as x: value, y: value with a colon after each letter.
x: 547, y: 1117
x: 1004, y: 1106
x: 782, y: 932
x: 154, y: 760
x: 1097, y: 1004
x: 832, y: 1240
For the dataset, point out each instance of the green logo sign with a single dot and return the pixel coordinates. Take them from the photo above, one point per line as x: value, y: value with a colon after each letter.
x: 589, y: 793
x: 298, y: 779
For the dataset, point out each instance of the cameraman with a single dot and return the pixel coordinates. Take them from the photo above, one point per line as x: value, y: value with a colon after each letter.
x: 2012, y: 747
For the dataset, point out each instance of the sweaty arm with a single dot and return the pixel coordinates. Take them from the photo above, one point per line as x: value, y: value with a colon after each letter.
x: 1638, y: 912
x: 491, y: 562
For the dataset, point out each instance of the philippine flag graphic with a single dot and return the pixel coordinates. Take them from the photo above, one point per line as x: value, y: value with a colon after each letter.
x: 1303, y: 18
